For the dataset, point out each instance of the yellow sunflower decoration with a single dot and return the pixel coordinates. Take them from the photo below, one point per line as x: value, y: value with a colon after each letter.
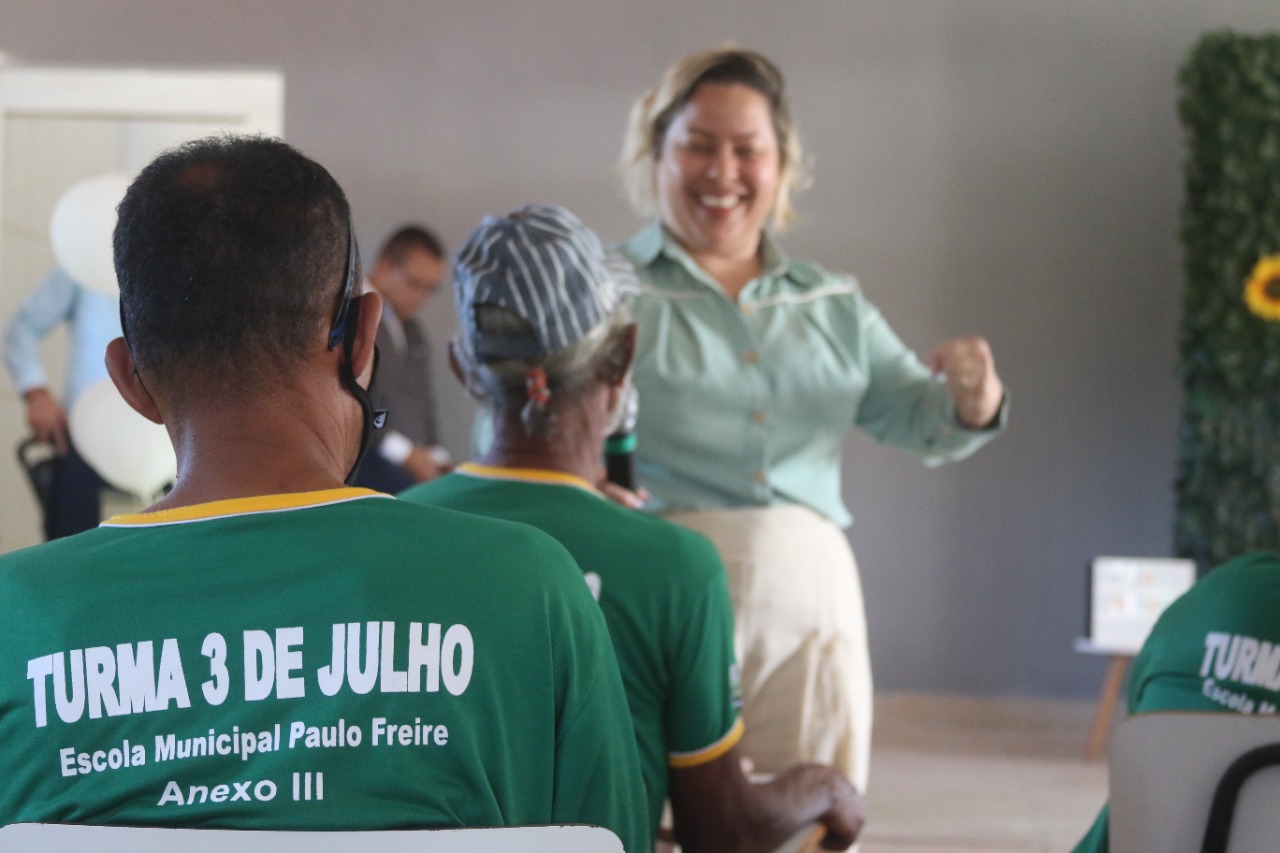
x: 1262, y: 289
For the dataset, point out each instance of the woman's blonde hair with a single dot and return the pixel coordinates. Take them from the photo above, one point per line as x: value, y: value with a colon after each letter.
x: 652, y: 114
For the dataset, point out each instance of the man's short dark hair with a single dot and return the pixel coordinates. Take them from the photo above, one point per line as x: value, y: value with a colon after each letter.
x: 407, y: 239
x: 230, y: 252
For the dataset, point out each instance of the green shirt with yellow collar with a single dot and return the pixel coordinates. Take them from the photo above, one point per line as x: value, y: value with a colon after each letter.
x: 664, y: 595
x: 328, y: 660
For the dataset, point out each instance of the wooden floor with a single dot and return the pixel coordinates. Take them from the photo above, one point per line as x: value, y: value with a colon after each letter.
x: 962, y: 775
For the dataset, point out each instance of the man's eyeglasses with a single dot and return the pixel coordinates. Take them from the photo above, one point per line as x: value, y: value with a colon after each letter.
x: 343, y: 313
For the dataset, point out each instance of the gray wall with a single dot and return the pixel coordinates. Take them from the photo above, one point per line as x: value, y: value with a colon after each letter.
x: 984, y: 166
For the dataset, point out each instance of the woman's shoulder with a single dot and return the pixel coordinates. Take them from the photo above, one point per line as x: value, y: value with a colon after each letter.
x: 642, y: 247
x: 805, y: 275
x: 811, y: 274
x: 804, y: 282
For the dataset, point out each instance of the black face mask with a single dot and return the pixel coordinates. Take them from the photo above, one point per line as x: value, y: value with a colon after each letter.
x: 371, y: 418
x: 346, y: 321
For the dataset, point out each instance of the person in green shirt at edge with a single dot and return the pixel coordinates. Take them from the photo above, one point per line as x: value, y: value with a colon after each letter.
x: 547, y: 344
x: 1216, y: 648
x: 265, y: 648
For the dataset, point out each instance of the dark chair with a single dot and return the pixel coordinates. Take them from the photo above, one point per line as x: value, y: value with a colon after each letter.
x: 37, y: 460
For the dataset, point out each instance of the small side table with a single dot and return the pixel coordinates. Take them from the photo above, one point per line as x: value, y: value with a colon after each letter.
x: 1106, y: 710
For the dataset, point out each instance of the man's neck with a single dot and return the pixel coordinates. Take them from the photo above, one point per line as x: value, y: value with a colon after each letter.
x: 281, y: 445
x: 572, y: 449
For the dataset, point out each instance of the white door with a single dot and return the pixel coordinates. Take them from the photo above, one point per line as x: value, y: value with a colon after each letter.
x: 60, y: 125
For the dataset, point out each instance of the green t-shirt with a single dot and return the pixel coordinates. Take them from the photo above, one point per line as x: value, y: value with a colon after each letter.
x: 1217, y: 648
x: 664, y: 595
x: 330, y: 660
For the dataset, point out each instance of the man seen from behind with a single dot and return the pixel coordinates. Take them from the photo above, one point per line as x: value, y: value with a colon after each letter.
x: 265, y: 647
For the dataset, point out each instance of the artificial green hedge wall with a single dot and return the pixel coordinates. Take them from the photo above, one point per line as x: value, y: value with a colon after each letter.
x: 1228, y: 486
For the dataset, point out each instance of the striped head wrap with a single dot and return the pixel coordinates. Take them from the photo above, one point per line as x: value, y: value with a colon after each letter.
x: 542, y: 263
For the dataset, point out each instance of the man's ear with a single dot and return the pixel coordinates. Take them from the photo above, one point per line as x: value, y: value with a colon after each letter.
x: 124, y: 375
x: 456, y: 366
x: 458, y: 373
x: 623, y: 356
x: 366, y: 337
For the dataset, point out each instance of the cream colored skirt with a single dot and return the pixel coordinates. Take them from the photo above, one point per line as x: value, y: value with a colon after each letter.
x: 800, y: 636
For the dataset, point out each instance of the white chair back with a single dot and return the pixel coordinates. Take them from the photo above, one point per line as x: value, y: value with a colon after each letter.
x: 66, y: 838
x: 1164, y: 770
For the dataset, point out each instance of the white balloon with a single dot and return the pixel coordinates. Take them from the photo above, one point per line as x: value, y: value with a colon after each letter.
x: 80, y: 230
x: 127, y: 450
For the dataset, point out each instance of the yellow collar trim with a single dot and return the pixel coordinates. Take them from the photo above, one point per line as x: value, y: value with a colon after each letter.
x: 242, y: 506
x: 526, y: 475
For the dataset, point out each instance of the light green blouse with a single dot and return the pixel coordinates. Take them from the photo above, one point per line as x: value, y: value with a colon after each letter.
x: 746, y: 404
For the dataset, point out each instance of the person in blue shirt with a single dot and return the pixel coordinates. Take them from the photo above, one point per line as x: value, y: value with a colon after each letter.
x: 92, y: 319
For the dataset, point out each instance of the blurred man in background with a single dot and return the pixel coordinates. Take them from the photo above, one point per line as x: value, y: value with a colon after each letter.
x: 408, y: 272
x: 92, y: 319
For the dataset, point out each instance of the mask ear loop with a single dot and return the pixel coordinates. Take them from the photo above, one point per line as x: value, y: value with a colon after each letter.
x: 345, y: 325
x: 371, y: 419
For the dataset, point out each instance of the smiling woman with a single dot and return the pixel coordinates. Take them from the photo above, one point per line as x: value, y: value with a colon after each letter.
x: 718, y: 176
x: 751, y: 367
